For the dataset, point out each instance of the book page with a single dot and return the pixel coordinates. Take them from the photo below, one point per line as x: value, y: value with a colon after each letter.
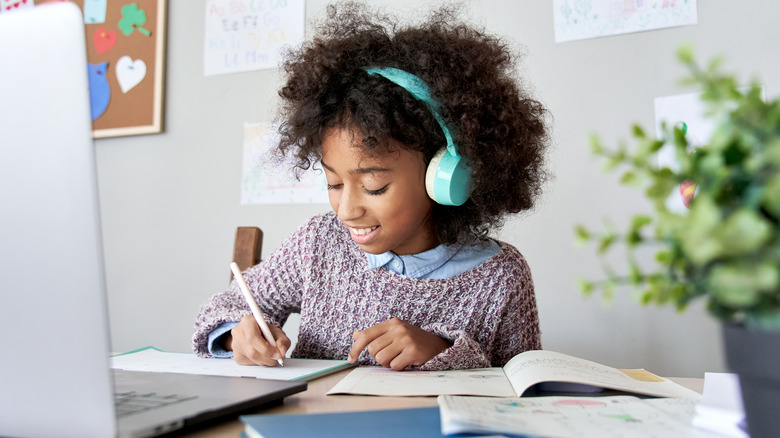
x: 384, y: 381
x: 154, y: 360
x: 532, y: 367
x: 580, y: 417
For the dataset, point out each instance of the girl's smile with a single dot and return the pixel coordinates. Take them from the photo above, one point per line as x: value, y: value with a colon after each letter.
x: 380, y: 199
x: 362, y: 236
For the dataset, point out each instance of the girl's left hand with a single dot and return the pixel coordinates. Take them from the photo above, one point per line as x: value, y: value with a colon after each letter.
x: 397, y: 344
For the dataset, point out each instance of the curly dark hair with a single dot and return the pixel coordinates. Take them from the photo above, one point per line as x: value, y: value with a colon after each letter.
x: 497, y: 127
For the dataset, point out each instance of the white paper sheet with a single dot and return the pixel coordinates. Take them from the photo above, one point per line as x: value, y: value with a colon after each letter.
x: 721, y: 408
x: 677, y: 110
x: 580, y: 417
x: 151, y: 359
x: 244, y: 35
x: 384, y: 381
x: 265, y: 181
x: 581, y: 19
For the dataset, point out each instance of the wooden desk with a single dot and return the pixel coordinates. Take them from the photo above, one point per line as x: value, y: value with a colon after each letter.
x: 314, y: 400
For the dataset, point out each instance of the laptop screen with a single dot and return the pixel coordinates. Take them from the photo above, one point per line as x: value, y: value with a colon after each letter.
x: 55, y: 379
x: 53, y: 324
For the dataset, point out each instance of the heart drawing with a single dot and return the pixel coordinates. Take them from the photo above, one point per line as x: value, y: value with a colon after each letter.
x: 9, y: 5
x: 129, y: 73
x: 104, y: 40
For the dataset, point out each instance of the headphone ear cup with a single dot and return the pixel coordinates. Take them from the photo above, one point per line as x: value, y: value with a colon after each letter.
x: 448, y: 179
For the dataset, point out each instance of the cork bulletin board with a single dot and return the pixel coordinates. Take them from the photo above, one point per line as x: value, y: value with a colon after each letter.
x: 126, y: 56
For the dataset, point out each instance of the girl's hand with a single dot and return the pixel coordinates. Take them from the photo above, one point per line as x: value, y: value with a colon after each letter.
x: 250, y: 347
x: 397, y: 344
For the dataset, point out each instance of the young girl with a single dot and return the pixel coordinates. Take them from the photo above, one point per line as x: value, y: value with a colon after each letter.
x: 393, y: 277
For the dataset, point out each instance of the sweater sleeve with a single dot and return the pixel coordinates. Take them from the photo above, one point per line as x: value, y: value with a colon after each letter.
x: 517, y: 331
x: 464, y: 353
x: 519, y: 328
x: 275, y: 284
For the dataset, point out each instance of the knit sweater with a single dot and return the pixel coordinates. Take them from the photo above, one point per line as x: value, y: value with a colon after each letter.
x: 488, y: 313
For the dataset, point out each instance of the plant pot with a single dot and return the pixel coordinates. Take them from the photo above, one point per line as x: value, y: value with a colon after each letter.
x: 755, y: 356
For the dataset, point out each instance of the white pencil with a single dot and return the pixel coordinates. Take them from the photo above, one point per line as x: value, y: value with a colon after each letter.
x: 255, y: 308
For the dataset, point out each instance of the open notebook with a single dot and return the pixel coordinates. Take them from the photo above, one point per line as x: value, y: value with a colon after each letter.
x: 154, y: 360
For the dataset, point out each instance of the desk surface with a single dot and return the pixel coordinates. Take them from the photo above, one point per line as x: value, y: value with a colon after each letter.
x: 314, y: 400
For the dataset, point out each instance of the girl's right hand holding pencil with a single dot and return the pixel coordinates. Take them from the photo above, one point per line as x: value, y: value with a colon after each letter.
x: 250, y: 347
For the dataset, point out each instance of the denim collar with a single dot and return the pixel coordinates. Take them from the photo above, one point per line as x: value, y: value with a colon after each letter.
x: 414, y: 265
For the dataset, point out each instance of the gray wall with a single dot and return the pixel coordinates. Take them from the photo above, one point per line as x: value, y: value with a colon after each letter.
x: 170, y: 202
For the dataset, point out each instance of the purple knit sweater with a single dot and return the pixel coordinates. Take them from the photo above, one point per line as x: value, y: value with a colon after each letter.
x: 488, y: 313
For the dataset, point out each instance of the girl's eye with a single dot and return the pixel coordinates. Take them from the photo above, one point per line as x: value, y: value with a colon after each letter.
x: 376, y: 192
x: 369, y: 192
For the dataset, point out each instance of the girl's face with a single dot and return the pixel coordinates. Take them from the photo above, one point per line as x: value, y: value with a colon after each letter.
x: 381, y: 200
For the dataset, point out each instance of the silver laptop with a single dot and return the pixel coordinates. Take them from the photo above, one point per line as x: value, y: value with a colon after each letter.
x: 55, y: 378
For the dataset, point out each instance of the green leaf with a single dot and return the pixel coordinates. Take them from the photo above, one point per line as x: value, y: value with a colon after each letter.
x: 583, y: 235
x: 646, y: 297
x: 685, y: 54
x: 639, y: 221
x: 635, y: 276
x: 586, y: 287
x: 634, y: 233
x: 743, y: 232
x: 596, y: 146
x: 664, y: 257
x: 772, y: 151
x: 699, y: 228
x: 754, y: 163
x: 656, y: 145
x: 771, y: 195
x: 668, y: 224
x: 712, y: 167
x: 614, y: 159
x: 606, y: 242
x: 657, y: 288
x: 715, y: 65
x: 740, y: 285
x: 633, y: 238
x: 664, y: 183
x: 680, y: 139
x: 629, y: 178
x: 678, y: 296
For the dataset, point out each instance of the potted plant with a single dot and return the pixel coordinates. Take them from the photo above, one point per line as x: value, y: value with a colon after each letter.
x: 725, y: 248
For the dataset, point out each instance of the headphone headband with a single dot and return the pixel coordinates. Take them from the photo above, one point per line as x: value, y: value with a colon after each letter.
x: 419, y: 89
x: 447, y: 177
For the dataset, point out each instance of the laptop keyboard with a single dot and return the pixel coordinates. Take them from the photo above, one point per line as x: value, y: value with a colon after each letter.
x: 132, y: 402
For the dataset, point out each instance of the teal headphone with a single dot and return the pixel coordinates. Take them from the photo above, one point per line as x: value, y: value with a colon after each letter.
x: 448, y: 177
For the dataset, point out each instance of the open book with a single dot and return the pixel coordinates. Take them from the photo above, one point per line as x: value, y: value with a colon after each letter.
x: 520, y: 373
x: 575, y: 417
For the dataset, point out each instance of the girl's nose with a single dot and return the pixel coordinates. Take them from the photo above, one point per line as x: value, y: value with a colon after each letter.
x: 350, y: 206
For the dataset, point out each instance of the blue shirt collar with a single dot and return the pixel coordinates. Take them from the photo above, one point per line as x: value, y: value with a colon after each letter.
x: 414, y: 265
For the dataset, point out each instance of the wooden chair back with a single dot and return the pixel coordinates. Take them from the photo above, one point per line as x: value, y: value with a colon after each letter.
x: 247, y: 247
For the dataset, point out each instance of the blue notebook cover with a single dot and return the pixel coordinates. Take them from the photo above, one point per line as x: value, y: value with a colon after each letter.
x: 406, y: 423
